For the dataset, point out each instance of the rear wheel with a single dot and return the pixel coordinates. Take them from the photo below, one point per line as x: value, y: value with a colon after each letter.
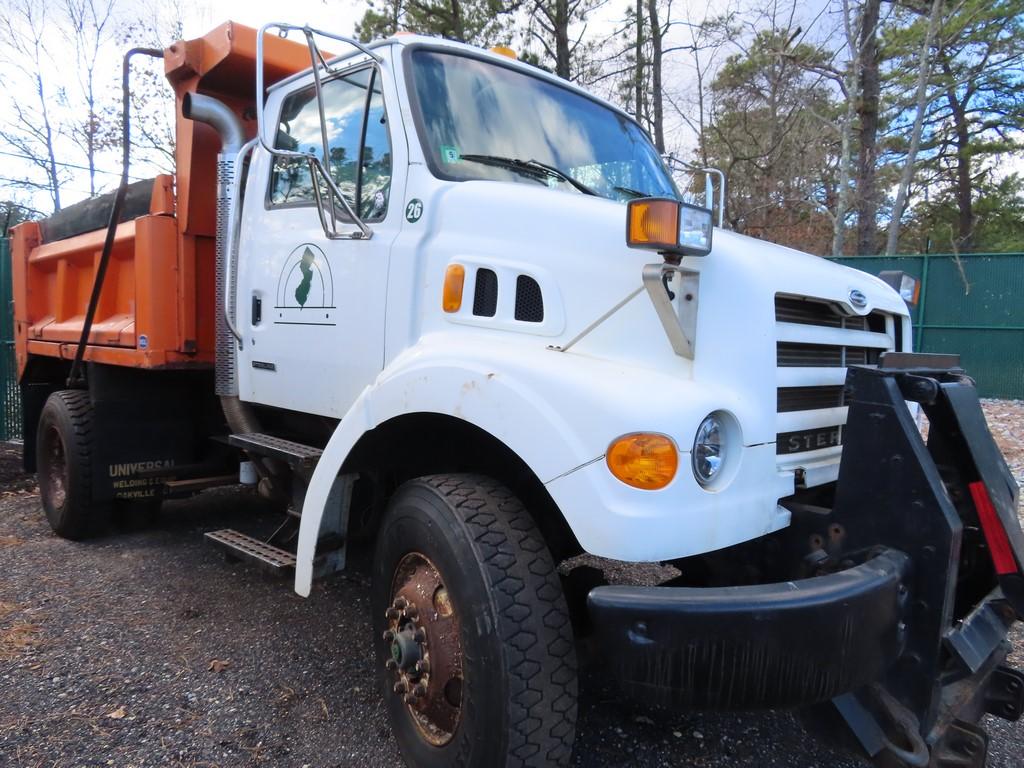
x: 64, y: 463
x: 475, y: 648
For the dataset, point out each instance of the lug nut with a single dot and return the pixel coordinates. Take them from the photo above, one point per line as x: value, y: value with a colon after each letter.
x: 400, y: 603
x: 401, y: 687
x: 423, y: 666
x: 391, y: 665
x: 389, y: 636
x: 392, y: 614
x: 420, y: 636
x: 412, y: 612
x: 419, y: 690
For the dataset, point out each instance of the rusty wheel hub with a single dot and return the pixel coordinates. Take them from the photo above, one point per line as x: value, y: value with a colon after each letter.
x: 56, y: 468
x: 424, y: 649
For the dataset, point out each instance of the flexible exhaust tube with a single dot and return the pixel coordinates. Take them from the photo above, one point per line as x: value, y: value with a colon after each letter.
x: 75, y: 377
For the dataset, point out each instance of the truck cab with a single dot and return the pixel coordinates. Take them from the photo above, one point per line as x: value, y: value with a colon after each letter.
x: 451, y: 310
x: 454, y: 185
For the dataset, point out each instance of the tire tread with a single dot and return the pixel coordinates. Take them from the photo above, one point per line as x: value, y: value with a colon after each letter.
x: 541, y: 655
x: 83, y: 518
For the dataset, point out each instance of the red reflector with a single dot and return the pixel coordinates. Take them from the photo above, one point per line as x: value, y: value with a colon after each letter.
x: 998, y: 543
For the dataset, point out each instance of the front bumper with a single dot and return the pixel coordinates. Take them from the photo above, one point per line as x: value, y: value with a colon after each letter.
x: 771, y: 645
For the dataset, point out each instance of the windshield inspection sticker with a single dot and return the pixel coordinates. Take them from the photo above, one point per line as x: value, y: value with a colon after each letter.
x: 414, y: 210
x: 450, y: 154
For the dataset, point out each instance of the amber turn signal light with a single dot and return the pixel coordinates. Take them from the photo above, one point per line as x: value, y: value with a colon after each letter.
x: 908, y: 287
x: 454, y: 280
x: 653, y: 223
x: 643, y: 460
x: 503, y: 50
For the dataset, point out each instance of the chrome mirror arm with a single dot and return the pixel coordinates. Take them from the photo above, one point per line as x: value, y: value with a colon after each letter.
x: 314, y: 53
x: 317, y: 166
x: 676, y: 164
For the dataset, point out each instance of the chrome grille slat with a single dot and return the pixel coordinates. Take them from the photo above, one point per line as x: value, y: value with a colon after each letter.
x: 804, y: 333
x: 790, y: 310
x: 795, y: 355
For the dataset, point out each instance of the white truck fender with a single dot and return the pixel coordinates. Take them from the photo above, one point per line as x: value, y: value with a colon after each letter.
x: 432, y: 383
x: 342, y: 441
x: 541, y: 405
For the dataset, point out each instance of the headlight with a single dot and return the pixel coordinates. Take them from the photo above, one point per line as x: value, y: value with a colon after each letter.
x: 708, y: 453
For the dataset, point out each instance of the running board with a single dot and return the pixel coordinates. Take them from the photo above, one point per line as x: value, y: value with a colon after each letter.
x: 242, y: 547
x: 299, y: 456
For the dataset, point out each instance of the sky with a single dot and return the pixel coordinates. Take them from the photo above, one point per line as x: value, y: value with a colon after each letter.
x: 336, y: 16
x: 198, y: 16
x: 340, y: 16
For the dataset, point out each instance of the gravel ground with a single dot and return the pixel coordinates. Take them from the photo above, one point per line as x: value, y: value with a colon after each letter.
x: 145, y: 648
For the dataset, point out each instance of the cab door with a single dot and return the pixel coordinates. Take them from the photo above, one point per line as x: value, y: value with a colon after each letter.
x: 311, y: 310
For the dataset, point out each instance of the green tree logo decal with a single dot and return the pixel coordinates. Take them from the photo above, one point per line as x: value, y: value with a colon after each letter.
x: 306, y: 267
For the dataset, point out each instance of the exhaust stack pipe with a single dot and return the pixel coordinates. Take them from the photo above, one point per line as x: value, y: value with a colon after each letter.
x: 218, y: 115
x: 213, y: 112
x: 239, y: 415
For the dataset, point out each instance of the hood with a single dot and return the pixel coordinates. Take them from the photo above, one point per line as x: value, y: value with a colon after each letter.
x: 583, y: 238
x: 574, y: 246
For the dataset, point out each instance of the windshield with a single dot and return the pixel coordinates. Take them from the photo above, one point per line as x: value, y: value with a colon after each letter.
x: 483, y: 121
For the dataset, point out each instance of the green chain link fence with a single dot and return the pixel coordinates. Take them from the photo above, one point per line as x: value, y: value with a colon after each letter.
x: 10, y: 398
x: 972, y: 304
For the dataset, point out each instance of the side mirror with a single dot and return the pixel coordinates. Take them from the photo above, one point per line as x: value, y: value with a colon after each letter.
x: 326, y: 208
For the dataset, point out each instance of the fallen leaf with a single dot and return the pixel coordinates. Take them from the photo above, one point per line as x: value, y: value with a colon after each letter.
x: 20, y: 636
x: 117, y: 714
x: 218, y: 665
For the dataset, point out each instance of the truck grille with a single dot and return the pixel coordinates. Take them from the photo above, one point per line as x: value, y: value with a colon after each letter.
x: 809, y: 398
x: 816, y: 342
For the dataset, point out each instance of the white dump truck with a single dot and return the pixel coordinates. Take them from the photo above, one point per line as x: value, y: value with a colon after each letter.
x: 445, y: 305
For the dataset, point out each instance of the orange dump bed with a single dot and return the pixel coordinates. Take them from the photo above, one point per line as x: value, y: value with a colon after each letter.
x: 156, y: 309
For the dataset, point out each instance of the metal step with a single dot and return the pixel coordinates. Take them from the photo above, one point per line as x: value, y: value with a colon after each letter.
x: 296, y: 454
x: 244, y: 547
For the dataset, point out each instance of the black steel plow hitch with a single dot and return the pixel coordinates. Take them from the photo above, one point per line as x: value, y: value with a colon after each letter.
x: 949, y: 502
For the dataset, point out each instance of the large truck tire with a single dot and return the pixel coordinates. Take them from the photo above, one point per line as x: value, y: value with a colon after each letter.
x: 474, y: 645
x: 64, y: 463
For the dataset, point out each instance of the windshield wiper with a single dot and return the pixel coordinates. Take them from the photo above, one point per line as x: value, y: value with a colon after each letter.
x: 631, y: 192
x: 532, y: 167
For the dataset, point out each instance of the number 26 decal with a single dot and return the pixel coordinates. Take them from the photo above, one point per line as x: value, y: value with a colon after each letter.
x: 414, y: 210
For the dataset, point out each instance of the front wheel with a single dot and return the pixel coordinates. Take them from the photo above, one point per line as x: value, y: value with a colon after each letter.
x: 476, y: 655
